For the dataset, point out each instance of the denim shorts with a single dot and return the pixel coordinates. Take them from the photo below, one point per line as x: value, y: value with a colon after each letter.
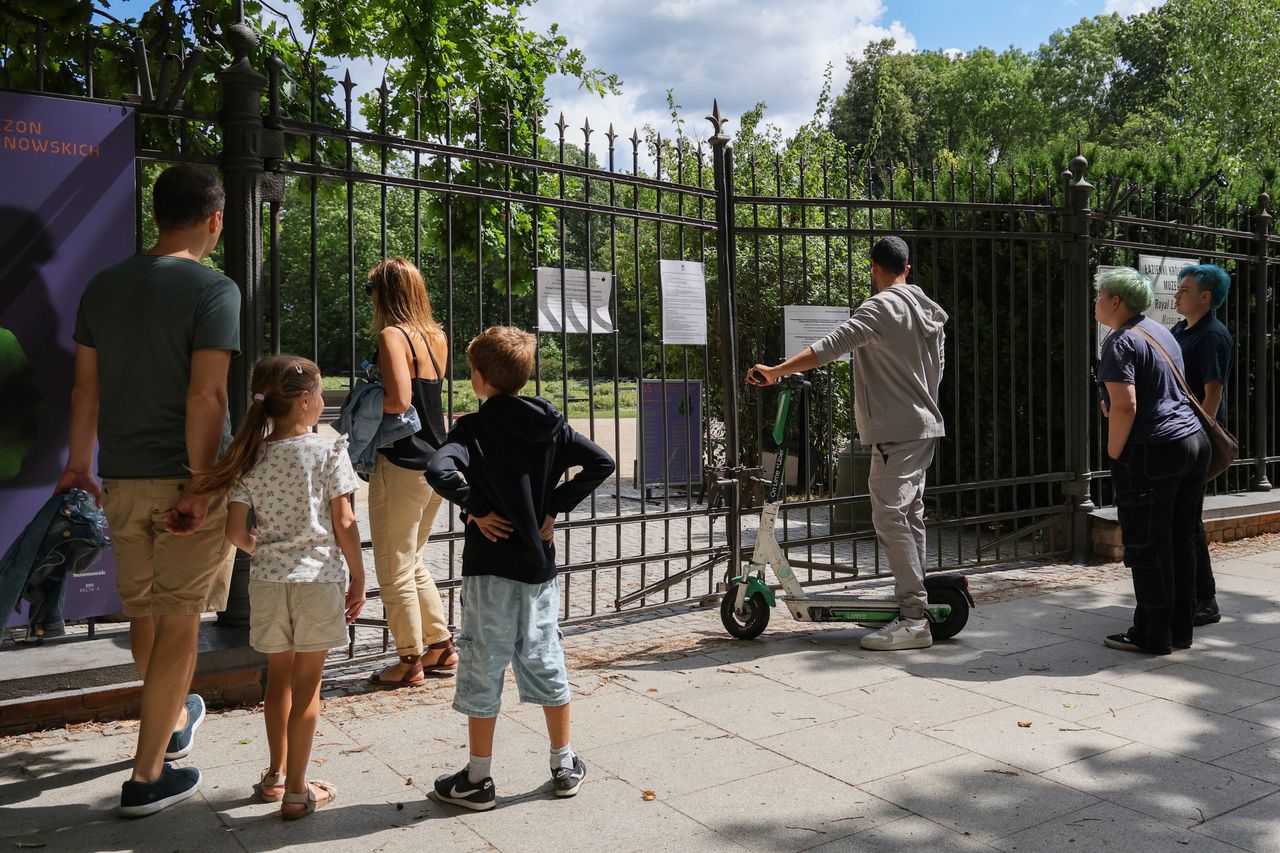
x: 509, y: 622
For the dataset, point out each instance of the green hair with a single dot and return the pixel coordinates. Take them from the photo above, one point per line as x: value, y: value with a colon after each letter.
x: 1131, y: 286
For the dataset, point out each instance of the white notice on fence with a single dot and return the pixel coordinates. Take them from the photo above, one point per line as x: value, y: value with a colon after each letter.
x: 1163, y: 272
x: 804, y: 324
x: 684, y: 302
x: 578, y: 301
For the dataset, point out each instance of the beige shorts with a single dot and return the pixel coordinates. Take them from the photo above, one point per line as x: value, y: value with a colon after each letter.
x: 157, y: 573
x: 296, y: 617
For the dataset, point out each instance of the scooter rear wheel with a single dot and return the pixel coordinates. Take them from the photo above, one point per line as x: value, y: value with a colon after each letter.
x: 754, y: 619
x: 955, y: 621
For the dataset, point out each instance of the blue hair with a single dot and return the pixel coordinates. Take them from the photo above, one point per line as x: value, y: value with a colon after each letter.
x: 1210, y: 277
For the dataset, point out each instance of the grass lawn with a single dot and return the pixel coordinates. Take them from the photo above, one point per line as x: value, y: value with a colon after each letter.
x: 601, y: 397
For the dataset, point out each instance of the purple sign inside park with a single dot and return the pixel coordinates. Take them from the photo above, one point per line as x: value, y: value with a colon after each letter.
x: 66, y: 211
x: 672, y: 424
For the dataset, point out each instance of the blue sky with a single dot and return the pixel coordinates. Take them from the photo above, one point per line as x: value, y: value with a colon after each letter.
x: 745, y: 51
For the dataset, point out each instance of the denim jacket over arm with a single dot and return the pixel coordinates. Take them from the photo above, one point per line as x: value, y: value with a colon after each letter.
x: 368, y: 427
x: 68, y: 534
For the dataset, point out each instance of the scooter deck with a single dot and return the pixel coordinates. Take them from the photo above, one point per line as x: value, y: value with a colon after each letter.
x: 843, y: 608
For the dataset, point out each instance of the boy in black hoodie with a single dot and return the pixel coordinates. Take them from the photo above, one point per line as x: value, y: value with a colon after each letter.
x: 500, y: 466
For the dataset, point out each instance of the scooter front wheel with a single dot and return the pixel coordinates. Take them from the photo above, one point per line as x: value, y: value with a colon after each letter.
x: 754, y: 618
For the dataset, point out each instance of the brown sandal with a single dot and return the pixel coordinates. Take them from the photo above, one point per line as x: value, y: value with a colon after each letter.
x: 308, y: 799
x: 269, y: 779
x: 447, y: 657
x: 413, y: 675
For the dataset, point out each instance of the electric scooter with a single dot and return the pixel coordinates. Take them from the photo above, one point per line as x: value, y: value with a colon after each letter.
x: 747, y: 603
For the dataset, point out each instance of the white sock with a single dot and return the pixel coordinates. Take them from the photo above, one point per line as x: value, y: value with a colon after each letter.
x: 562, y: 757
x: 478, y: 768
x: 915, y: 623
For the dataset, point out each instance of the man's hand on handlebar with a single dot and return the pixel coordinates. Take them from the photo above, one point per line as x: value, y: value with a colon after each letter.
x: 762, y: 375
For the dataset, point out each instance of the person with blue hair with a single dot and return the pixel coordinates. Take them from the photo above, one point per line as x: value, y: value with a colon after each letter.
x: 1207, y: 348
x: 1159, y: 454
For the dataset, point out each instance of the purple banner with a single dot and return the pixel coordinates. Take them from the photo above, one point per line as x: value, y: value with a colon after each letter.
x: 66, y: 211
x: 672, y: 425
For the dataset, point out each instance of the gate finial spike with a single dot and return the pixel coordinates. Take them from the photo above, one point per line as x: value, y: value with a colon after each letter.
x: 717, y: 122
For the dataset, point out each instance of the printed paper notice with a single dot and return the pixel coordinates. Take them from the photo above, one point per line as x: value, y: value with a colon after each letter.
x: 804, y: 324
x: 565, y: 303
x: 684, y: 302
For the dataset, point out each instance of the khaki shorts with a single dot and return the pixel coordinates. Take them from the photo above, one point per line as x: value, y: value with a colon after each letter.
x: 296, y: 617
x: 157, y: 573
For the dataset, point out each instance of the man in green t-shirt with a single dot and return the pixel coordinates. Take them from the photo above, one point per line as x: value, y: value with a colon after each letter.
x: 154, y: 339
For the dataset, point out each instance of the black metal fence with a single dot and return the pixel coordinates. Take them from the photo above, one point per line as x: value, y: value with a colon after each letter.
x: 482, y: 196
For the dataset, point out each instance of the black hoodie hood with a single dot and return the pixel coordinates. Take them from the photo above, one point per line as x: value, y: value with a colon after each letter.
x: 531, y: 419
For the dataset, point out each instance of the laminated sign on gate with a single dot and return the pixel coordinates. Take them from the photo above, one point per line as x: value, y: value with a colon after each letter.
x: 1163, y: 272
x: 684, y: 302
x: 804, y: 324
x: 571, y: 301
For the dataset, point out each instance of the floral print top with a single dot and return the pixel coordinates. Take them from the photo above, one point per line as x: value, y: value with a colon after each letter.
x: 289, y: 491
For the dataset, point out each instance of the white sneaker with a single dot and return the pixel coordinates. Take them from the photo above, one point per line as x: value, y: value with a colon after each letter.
x: 899, y: 634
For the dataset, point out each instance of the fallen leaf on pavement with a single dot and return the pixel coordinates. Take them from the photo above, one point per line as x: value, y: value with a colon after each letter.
x: 1024, y: 724
x: 647, y: 796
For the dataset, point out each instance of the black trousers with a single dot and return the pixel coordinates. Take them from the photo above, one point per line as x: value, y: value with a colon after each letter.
x: 1206, y: 586
x: 1159, y: 492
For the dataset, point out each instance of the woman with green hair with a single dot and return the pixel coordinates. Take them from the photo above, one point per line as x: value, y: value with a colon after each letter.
x: 1159, y: 455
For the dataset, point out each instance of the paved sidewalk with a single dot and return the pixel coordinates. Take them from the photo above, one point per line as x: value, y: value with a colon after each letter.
x: 1022, y: 734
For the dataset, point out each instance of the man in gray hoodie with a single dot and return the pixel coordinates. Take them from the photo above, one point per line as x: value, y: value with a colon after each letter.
x: 897, y: 341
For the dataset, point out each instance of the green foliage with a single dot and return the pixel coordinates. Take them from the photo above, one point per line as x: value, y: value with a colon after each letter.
x: 1166, y: 97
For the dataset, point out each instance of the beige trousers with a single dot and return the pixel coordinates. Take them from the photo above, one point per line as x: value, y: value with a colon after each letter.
x: 402, y: 507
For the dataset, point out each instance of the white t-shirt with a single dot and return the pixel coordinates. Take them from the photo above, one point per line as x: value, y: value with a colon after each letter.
x: 289, y: 491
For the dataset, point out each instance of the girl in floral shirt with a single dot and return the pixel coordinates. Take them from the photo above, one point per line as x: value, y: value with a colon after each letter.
x: 301, y: 595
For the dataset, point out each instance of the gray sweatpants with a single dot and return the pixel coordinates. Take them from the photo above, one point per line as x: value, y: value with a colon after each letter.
x: 896, y: 487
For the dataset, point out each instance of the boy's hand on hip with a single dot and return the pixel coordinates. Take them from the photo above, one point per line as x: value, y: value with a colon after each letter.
x: 548, y: 528
x: 187, y: 515
x: 492, y: 526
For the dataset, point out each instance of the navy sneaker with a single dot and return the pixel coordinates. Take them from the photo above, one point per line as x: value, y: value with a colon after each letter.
x: 461, y: 791
x: 569, y: 779
x: 139, y: 799
x: 181, y: 741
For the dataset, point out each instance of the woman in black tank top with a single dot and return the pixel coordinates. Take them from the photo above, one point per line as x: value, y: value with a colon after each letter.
x: 402, y: 507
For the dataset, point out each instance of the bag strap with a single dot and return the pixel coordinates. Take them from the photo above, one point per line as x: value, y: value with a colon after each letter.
x: 1204, y: 416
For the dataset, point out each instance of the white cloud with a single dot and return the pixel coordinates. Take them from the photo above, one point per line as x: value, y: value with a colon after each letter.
x: 739, y: 51
x: 1128, y: 8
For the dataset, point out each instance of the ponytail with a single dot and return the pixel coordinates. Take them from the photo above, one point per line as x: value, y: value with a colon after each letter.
x: 278, y: 381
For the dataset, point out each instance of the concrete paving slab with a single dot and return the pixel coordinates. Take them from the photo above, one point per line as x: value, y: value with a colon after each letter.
x: 189, y: 823
x: 1252, y: 827
x: 1065, y: 697
x: 909, y: 835
x: 611, y: 718
x: 823, y: 671
x: 860, y: 748
x: 1261, y: 761
x: 1107, y: 826
x: 1047, y: 742
x: 1086, y: 658
x: 1200, y: 687
x: 786, y: 810
x: 1222, y: 655
x: 976, y: 795
x: 759, y: 709
x: 1002, y: 637
x: 1193, y: 732
x: 706, y: 757
x: 1176, y: 789
x: 1266, y: 713
x: 1044, y: 616
x: 416, y: 826
x: 657, y: 678
x: 908, y: 703
x: 1267, y: 675
x: 617, y: 815
x: 1247, y: 568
